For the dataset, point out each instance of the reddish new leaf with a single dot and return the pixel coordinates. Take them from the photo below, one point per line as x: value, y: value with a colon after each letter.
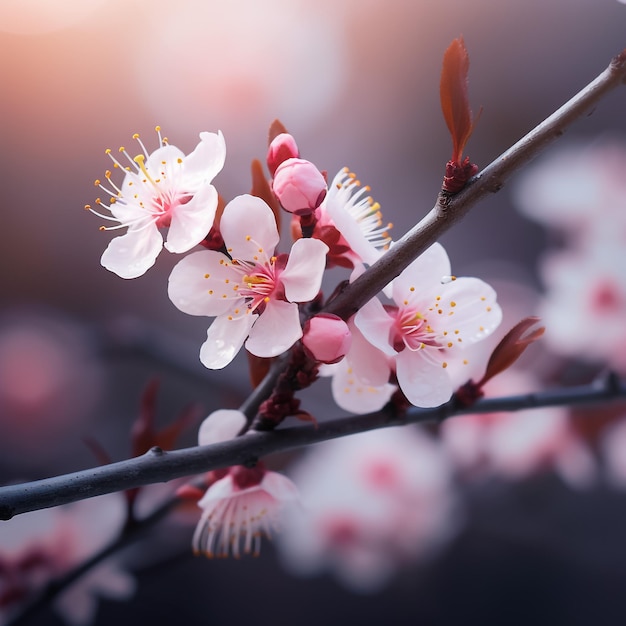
x: 453, y: 90
x: 276, y: 128
x: 511, y: 347
x: 261, y: 189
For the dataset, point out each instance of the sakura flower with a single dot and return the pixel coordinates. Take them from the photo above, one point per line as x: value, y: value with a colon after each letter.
x: 239, y: 509
x: 251, y: 292
x: 585, y: 305
x: 372, y: 504
x: 434, y: 318
x: 356, y: 216
x: 41, y: 546
x: 164, y: 189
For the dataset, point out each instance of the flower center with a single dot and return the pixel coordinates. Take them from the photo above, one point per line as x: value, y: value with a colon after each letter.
x: 411, y: 330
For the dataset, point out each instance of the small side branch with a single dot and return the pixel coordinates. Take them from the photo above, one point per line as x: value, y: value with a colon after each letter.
x: 449, y: 209
x: 159, y: 466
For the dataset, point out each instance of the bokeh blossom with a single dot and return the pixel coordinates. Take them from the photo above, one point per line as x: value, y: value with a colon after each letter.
x: 251, y: 292
x: 38, y: 547
x: 163, y: 189
x: 372, y: 504
x: 517, y: 445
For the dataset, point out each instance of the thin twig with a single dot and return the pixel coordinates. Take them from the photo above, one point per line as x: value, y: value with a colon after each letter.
x: 160, y: 466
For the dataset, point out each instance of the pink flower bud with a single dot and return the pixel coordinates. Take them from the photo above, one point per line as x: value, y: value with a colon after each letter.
x: 299, y: 186
x: 283, y: 147
x: 326, y: 338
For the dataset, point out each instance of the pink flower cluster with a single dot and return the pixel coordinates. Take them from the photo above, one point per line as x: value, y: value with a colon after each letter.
x: 258, y: 295
x: 580, y: 191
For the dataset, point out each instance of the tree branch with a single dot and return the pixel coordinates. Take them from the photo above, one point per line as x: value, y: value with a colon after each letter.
x: 159, y: 466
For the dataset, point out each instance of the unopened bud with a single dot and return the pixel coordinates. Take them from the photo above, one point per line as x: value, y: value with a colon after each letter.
x: 281, y: 148
x: 299, y: 186
x: 326, y: 338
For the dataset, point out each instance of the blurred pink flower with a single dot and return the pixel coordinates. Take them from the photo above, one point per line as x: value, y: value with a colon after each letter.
x: 252, y: 293
x: 580, y: 190
x: 38, y: 547
x: 371, y: 504
x: 164, y: 189
x: 515, y: 445
x: 584, y: 309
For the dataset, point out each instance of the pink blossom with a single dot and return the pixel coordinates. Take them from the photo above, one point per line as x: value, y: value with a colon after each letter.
x: 239, y: 509
x: 356, y: 216
x: 164, y: 189
x: 38, y: 547
x: 282, y: 147
x: 584, y: 309
x: 299, y: 186
x: 327, y: 338
x: 434, y: 318
x: 372, y: 504
x: 515, y: 445
x: 579, y: 189
x: 251, y: 292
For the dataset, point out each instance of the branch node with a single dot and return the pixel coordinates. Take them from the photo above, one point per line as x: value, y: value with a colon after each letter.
x: 157, y: 451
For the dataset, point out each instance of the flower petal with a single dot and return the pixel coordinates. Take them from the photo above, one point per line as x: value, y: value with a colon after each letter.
x: 354, y: 395
x: 192, y: 221
x: 191, y: 285
x: 276, y: 330
x: 423, y: 381
x: 469, y: 304
x: 302, y: 276
x: 207, y: 160
x: 221, y: 425
x: 249, y: 228
x: 375, y: 324
x: 422, y: 275
x: 132, y: 254
x: 224, y: 339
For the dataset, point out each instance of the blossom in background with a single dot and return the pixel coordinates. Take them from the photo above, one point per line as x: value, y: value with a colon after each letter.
x: 164, y: 189
x: 372, y: 504
x: 38, y: 547
x: 434, y: 318
x: 243, y: 503
x: 584, y: 308
x: 580, y: 190
x: 515, y: 445
x: 251, y: 292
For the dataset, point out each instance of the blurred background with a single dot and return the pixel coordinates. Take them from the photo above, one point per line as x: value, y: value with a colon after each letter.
x: 357, y: 84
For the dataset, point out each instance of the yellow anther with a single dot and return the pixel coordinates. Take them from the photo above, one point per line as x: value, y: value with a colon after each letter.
x: 444, y: 365
x: 158, y: 129
x: 107, y: 151
x: 87, y: 207
x: 453, y: 303
x: 96, y: 182
x: 136, y: 136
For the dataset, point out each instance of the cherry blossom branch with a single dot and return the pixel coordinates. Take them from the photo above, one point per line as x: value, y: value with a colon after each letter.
x: 160, y: 466
x: 449, y: 209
